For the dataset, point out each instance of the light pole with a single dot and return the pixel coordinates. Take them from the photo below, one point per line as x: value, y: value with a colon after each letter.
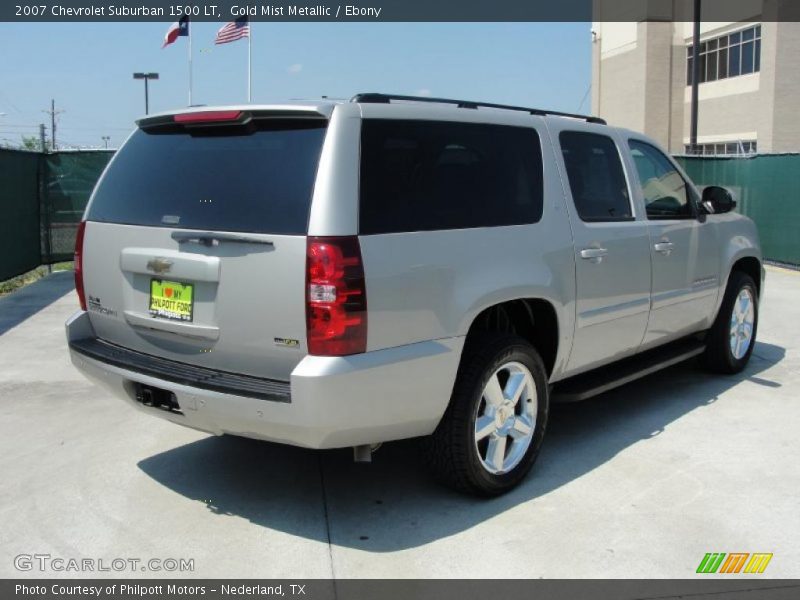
x: 105, y: 139
x: 147, y: 77
x: 695, y: 105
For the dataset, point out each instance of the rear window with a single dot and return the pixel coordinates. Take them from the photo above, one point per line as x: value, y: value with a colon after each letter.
x: 258, y: 179
x: 429, y: 175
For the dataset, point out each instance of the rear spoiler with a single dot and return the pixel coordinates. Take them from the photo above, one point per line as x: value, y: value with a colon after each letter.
x: 233, y: 117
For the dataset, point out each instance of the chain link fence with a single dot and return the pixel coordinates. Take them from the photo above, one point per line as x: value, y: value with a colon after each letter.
x: 70, y: 178
x: 42, y: 197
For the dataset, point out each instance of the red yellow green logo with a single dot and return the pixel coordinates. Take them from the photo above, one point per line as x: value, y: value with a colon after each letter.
x: 734, y: 562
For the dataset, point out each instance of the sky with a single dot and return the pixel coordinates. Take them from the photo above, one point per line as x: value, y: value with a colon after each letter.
x: 87, y: 68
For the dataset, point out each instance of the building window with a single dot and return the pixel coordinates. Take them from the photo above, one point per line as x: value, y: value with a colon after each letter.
x: 727, y: 56
x: 739, y: 148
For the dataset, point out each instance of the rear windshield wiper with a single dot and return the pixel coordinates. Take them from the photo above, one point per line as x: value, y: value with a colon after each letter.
x: 214, y: 239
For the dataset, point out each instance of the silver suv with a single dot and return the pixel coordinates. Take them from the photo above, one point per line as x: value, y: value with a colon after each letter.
x: 335, y: 274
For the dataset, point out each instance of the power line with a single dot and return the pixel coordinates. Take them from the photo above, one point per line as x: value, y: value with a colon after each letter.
x: 586, y: 95
x: 8, y: 101
x: 70, y: 127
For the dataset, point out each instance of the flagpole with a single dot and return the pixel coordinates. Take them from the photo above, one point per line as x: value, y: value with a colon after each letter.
x: 190, y: 61
x: 249, y: 62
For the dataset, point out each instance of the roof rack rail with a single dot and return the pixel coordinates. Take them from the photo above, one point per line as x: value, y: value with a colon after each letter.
x: 375, y: 98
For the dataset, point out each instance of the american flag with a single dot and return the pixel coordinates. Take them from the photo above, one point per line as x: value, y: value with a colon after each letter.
x: 235, y: 30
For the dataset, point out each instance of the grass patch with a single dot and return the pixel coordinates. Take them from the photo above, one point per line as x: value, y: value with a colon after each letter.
x: 10, y: 285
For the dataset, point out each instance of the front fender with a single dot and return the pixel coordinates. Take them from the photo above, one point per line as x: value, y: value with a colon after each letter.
x: 739, y: 239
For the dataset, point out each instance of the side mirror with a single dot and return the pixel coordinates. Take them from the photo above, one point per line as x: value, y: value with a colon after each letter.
x: 718, y: 200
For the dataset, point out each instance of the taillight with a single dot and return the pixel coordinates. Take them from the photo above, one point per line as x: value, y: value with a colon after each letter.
x: 79, y: 264
x: 336, y: 297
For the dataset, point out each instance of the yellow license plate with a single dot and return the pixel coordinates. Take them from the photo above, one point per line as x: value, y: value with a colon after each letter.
x: 171, y: 300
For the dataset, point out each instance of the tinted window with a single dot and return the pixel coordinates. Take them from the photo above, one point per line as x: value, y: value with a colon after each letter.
x: 222, y: 180
x: 665, y: 192
x: 427, y: 175
x: 596, y: 178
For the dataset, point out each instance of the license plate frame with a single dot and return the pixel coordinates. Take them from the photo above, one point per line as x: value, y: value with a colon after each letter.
x: 168, y: 300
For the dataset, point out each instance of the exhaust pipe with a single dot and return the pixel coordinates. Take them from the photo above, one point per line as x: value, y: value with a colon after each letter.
x: 363, y: 453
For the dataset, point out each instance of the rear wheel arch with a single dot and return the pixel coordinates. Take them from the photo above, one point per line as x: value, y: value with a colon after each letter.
x: 533, y: 319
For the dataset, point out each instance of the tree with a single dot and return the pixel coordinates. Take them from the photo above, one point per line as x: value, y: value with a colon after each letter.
x: 32, y: 143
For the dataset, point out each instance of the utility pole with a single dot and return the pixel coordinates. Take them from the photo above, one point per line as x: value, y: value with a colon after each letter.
x: 695, y: 79
x: 53, y: 112
x: 42, y: 137
x: 53, y: 122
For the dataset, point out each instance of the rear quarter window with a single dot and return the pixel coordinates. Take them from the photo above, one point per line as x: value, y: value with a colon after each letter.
x: 431, y: 175
x: 255, y: 179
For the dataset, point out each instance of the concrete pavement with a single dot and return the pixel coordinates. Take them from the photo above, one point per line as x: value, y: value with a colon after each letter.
x: 640, y: 482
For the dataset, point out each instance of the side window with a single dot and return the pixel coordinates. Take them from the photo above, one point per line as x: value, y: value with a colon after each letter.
x: 596, y: 178
x: 432, y: 175
x: 666, y: 195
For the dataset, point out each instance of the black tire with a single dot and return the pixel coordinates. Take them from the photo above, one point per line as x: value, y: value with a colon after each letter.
x: 451, y: 451
x: 718, y: 356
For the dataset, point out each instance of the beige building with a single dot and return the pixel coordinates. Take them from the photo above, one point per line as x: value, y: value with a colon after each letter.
x: 749, y: 91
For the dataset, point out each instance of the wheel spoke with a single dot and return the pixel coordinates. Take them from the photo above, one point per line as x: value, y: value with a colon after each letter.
x: 522, y: 427
x: 737, y: 311
x: 496, y: 452
x: 515, y: 386
x: 738, y: 350
x: 484, y: 426
x: 493, y: 393
x: 744, y: 306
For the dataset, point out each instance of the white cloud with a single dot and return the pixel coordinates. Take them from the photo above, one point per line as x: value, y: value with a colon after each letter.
x: 294, y: 69
x: 423, y: 92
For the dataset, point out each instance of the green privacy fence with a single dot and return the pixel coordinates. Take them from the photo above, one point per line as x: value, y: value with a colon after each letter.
x: 19, y: 212
x: 42, y: 197
x: 767, y: 190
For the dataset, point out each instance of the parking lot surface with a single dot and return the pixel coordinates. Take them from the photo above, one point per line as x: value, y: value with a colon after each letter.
x: 640, y: 482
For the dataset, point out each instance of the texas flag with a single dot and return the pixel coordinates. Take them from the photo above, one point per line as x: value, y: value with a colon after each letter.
x: 176, y: 30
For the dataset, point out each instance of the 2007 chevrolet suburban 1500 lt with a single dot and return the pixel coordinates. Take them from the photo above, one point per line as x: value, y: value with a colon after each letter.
x: 341, y: 274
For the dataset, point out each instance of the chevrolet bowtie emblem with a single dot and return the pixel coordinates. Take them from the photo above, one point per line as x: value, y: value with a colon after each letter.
x: 159, y: 265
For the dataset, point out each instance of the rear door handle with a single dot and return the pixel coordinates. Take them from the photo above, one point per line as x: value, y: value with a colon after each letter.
x: 594, y: 254
x: 664, y: 248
